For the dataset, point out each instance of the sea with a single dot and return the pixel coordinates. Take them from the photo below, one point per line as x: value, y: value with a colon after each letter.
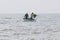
x: 14, y: 27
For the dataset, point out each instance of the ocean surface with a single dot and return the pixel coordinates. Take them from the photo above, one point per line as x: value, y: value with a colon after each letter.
x: 45, y: 27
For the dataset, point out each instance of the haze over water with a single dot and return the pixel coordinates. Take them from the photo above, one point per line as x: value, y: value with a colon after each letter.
x: 46, y: 27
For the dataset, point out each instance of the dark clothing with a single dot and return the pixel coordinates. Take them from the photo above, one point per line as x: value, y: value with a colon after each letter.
x: 26, y: 16
x: 35, y: 15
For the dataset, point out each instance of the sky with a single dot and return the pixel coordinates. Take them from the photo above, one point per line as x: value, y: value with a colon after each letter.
x: 28, y: 6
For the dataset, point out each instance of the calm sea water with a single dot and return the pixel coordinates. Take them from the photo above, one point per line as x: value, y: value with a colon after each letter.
x: 46, y: 27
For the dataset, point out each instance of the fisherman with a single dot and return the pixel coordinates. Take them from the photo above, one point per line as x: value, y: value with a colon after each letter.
x: 26, y: 16
x: 32, y: 15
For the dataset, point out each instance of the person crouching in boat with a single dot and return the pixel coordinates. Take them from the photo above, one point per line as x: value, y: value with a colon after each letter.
x: 32, y: 16
x: 26, y: 16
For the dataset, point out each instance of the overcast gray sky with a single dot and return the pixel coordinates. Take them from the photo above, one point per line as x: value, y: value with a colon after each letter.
x: 23, y: 6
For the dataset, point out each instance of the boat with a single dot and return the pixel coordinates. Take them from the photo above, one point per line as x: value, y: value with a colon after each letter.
x: 29, y: 19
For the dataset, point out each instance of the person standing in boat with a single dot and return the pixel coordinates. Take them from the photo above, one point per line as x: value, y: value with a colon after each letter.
x: 26, y: 16
x: 32, y: 16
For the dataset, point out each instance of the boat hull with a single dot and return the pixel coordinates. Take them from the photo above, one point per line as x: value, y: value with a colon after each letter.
x: 28, y: 19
